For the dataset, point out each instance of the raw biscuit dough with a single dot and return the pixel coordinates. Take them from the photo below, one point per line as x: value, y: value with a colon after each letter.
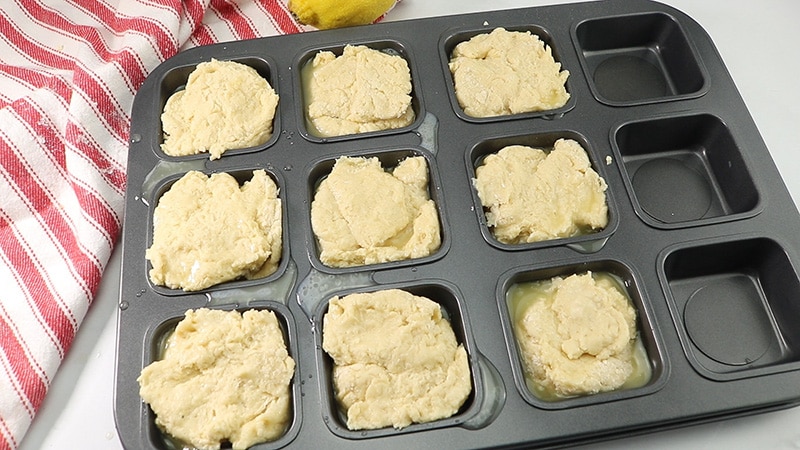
x: 578, y: 335
x: 531, y: 195
x: 396, y: 359
x: 507, y: 72
x: 207, y: 230
x: 360, y: 91
x: 224, y: 376
x: 225, y: 105
x: 362, y: 214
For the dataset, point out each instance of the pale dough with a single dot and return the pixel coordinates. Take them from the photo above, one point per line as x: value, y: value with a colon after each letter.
x: 225, y: 105
x: 577, y: 335
x: 531, y: 195
x: 360, y: 91
x: 362, y: 214
x: 507, y: 72
x: 208, y: 229
x: 223, y: 376
x: 396, y: 359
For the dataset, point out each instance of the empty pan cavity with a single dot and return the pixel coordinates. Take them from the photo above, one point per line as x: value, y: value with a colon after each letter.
x: 686, y: 170
x: 639, y: 58
x: 732, y: 302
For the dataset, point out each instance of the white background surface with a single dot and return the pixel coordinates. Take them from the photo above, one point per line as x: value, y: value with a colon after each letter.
x: 758, y: 43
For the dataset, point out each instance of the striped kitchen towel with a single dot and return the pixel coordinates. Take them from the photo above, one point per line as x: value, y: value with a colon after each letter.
x: 69, y: 70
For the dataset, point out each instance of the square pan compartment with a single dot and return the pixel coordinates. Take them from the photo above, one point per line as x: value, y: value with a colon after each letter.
x: 175, y: 80
x: 389, y: 158
x: 639, y: 58
x: 154, y: 344
x: 685, y: 170
x: 585, y: 243
x: 451, y: 39
x: 453, y: 308
x: 388, y: 46
x: 241, y: 175
x: 734, y: 303
x: 645, y: 325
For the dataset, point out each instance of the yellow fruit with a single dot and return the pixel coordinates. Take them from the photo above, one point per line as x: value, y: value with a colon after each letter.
x: 327, y: 14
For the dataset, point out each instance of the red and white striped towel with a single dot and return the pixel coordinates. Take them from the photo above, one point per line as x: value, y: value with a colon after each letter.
x: 69, y: 70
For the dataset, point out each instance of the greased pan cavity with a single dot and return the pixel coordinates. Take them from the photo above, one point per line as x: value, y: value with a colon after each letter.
x: 702, y: 230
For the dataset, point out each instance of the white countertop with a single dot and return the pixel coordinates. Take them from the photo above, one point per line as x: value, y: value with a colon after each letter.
x: 757, y: 42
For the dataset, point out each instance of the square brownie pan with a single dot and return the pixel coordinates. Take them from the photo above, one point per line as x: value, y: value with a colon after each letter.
x: 702, y: 232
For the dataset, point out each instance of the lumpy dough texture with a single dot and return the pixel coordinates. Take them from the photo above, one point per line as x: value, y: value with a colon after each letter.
x: 396, y: 359
x: 208, y: 229
x: 362, y: 214
x: 507, y: 72
x: 224, y: 376
x: 578, y: 338
x: 225, y: 105
x: 531, y: 195
x: 360, y: 91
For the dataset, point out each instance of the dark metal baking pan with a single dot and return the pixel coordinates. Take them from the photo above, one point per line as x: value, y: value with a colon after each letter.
x: 702, y: 227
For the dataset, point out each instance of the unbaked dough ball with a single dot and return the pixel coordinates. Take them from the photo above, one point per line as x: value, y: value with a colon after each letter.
x: 224, y: 376
x: 208, y: 230
x: 507, y: 72
x: 360, y: 91
x: 396, y: 359
x: 532, y: 195
x: 576, y: 334
x: 225, y: 105
x: 363, y: 214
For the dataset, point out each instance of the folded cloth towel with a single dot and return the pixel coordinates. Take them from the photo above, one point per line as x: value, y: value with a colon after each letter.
x: 69, y: 70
